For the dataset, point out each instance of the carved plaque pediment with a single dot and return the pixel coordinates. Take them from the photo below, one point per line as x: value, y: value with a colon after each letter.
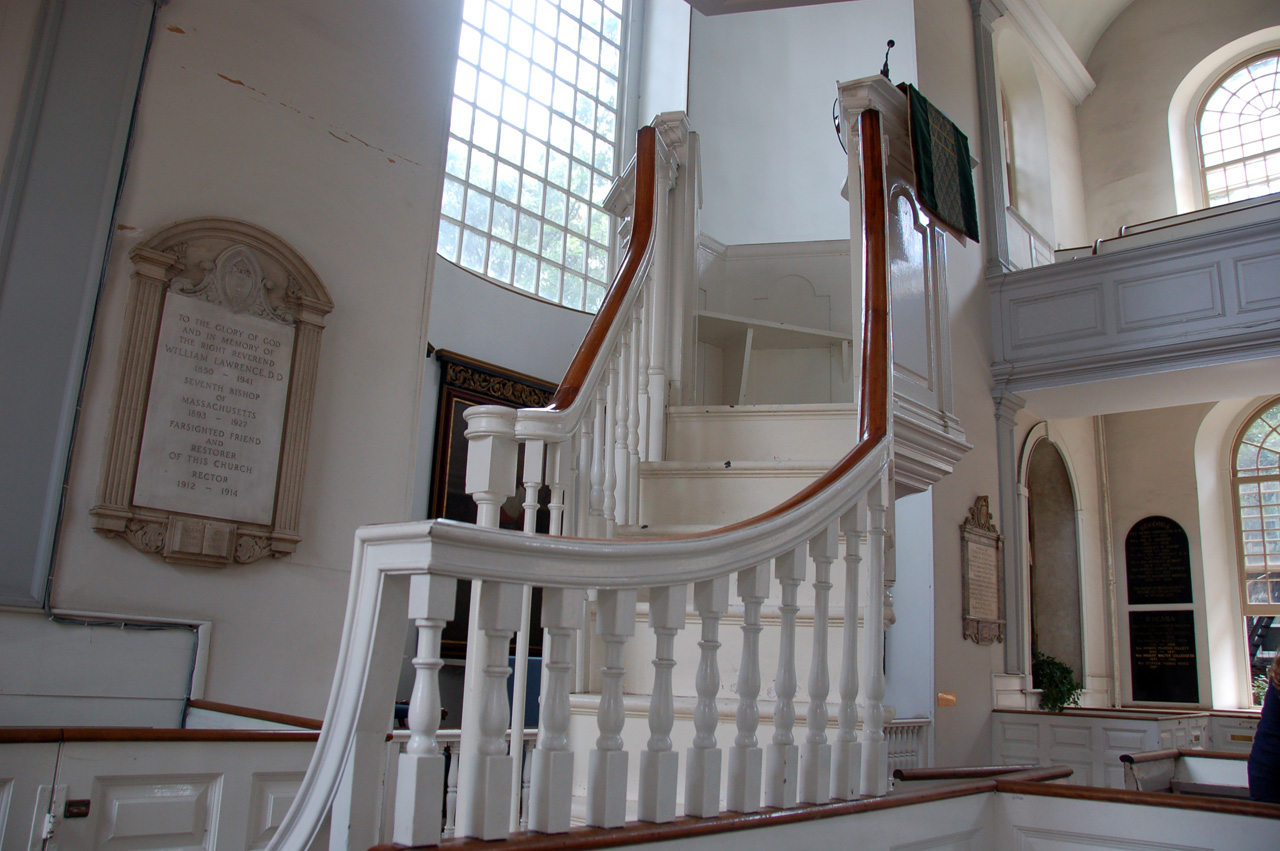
x: 213, y: 398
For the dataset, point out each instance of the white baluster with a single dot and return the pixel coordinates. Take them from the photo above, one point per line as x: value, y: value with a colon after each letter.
x: 599, y: 443
x: 702, y: 772
x: 526, y: 782
x: 607, y: 770
x: 558, y: 455
x: 846, y: 759
x: 621, y: 455
x: 534, y: 451
x: 746, y: 759
x: 451, y: 791
x: 815, y: 753
x: 551, y: 792
x: 420, y: 780
x: 610, y: 439
x: 633, y: 419
x: 784, y: 757
x: 642, y: 384
x: 875, y: 750
x: 659, y: 765
x: 485, y: 805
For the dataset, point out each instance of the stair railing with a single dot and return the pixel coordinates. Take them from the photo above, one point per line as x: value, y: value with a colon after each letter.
x: 413, y: 568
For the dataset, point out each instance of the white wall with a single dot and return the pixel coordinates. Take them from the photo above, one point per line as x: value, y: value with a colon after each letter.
x: 324, y: 123
x: 761, y: 85
x: 962, y: 732
x: 1124, y: 125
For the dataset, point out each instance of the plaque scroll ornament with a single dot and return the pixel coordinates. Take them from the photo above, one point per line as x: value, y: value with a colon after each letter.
x: 983, y: 580
x: 217, y: 372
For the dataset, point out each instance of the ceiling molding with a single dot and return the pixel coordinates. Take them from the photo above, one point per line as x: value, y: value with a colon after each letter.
x: 1048, y: 42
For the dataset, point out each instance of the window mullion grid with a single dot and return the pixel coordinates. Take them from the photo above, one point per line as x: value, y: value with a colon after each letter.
x: 1256, y: 544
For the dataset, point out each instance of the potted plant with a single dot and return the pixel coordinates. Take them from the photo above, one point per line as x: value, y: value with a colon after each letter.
x: 1056, y: 681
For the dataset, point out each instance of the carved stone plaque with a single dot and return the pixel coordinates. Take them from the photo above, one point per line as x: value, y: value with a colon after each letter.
x: 213, y: 410
x: 983, y: 580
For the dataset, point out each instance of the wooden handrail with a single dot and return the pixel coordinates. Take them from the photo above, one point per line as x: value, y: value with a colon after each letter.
x: 255, y: 714
x: 963, y: 772
x: 642, y: 222
x: 26, y: 735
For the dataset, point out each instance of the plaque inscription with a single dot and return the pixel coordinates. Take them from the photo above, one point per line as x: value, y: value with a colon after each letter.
x: 211, y: 441
x: 1157, y: 562
x: 217, y: 377
x: 1162, y: 657
x: 983, y: 580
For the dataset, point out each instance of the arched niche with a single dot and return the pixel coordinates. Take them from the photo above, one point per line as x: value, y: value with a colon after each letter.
x: 1054, y: 583
x: 216, y: 378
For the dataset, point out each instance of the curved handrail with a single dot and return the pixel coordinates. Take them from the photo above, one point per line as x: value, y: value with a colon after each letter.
x: 386, y: 556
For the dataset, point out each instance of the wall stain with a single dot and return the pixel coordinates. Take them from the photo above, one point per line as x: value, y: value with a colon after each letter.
x: 231, y: 81
x: 125, y: 227
x: 174, y: 28
x: 339, y: 138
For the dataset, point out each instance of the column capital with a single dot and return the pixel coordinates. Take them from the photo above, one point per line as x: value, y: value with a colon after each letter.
x: 987, y: 11
x: 1008, y: 404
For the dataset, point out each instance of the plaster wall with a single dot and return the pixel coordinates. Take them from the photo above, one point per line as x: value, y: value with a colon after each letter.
x: 1151, y: 470
x: 761, y: 85
x: 1124, y: 124
x: 324, y: 123
x: 962, y: 732
x: 19, y: 24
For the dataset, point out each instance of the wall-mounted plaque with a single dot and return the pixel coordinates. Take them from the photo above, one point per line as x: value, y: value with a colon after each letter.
x: 1162, y: 657
x: 983, y: 581
x: 1157, y: 563
x: 213, y: 398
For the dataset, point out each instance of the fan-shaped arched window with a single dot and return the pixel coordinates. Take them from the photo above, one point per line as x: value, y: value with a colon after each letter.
x: 1256, y: 483
x: 1240, y: 132
x: 533, y: 145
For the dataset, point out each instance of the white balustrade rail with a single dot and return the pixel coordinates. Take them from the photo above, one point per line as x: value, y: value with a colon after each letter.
x: 601, y: 417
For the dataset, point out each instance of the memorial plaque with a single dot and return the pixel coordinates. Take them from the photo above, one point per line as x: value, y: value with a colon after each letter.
x: 983, y: 580
x: 211, y: 442
x: 217, y: 375
x: 1162, y: 657
x: 1157, y: 563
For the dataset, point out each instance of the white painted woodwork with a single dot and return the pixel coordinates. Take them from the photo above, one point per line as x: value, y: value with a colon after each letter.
x: 702, y: 771
x: 634, y: 392
x: 551, y: 784
x: 1091, y: 742
x: 420, y: 782
x: 875, y: 750
x: 846, y: 758
x: 815, y: 752
x: 783, y: 763
x: 610, y: 506
x: 659, y: 764
x: 607, y: 770
x: 759, y: 432
x: 746, y: 759
x: 1188, y: 293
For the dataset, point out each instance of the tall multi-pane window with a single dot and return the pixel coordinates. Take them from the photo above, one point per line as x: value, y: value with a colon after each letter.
x: 1256, y: 483
x: 1240, y: 133
x: 533, y: 145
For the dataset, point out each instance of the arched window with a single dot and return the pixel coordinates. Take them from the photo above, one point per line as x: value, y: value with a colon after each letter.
x: 533, y: 145
x: 1256, y: 486
x: 1239, y: 130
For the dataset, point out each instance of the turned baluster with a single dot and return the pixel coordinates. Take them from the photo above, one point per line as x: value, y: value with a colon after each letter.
x: 746, y: 759
x: 451, y: 791
x: 659, y: 765
x: 596, y: 524
x: 551, y: 793
x: 607, y: 770
x: 610, y: 440
x: 485, y: 804
x: 534, y: 451
x: 558, y: 455
x: 633, y: 419
x: 702, y: 773
x: 621, y: 455
x: 643, y: 401
x: 815, y: 753
x: 421, y: 771
x: 875, y: 750
x: 784, y: 756
x: 846, y: 758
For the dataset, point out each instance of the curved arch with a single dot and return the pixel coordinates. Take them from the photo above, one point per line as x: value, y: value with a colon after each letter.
x: 1224, y: 612
x: 1053, y: 568
x: 1184, y: 146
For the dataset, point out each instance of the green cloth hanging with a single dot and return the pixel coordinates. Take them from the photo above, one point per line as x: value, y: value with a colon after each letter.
x: 944, y: 178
